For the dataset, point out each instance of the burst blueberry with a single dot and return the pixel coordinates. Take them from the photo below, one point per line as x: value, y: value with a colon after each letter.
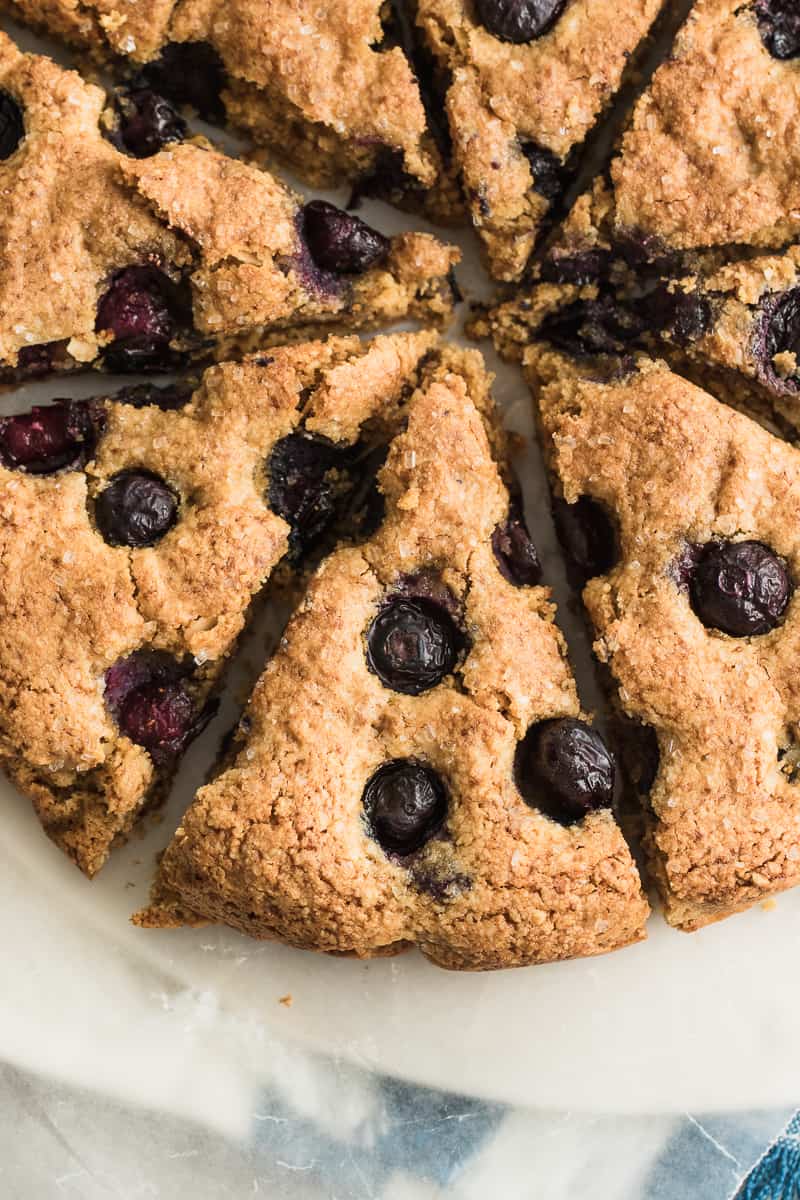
x: 139, y: 310
x: 50, y: 439
x: 339, y: 242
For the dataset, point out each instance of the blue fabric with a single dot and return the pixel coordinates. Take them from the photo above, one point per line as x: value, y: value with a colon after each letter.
x: 777, y: 1175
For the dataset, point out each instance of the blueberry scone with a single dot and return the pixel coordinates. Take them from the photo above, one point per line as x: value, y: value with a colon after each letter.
x: 680, y: 515
x: 413, y: 766
x: 135, y: 532
x: 123, y: 246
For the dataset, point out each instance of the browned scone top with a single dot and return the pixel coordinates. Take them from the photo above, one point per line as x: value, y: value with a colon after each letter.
x: 279, y: 844
x: 218, y: 243
x: 316, y: 81
x: 518, y: 111
x: 711, y: 155
x: 678, y: 472
x: 99, y: 632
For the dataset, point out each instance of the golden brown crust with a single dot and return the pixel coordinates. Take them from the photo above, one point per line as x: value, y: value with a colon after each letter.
x: 502, y: 96
x: 76, y: 211
x: 313, y: 80
x: 276, y: 845
x: 72, y: 606
x: 676, y: 467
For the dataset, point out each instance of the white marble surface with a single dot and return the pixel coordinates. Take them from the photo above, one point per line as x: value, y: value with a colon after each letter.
x: 137, y: 1063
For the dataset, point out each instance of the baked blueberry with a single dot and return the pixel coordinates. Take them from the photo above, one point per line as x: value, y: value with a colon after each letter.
x: 405, y: 803
x: 50, y: 439
x: 779, y: 26
x: 602, y: 326
x: 147, y: 122
x: 547, y: 169
x: 300, y: 489
x: 682, y: 316
x: 188, y: 73
x: 777, y: 331
x: 33, y: 361
x: 515, y: 552
x: 740, y: 588
x: 587, y: 534
x: 169, y: 397
x: 564, y: 768
x: 136, y: 509
x: 339, y: 242
x: 149, y: 696
x: 140, y: 310
x: 519, y: 20
x: 412, y: 645
x: 12, y: 127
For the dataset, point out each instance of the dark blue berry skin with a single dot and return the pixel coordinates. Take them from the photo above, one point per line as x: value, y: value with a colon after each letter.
x: 405, y: 804
x: 587, y: 534
x: 519, y: 21
x: 150, y: 696
x: 777, y: 331
x: 340, y: 242
x: 779, y: 26
x: 43, y: 441
x: 136, y: 509
x: 515, y: 552
x: 190, y: 74
x: 144, y: 310
x: 740, y: 588
x: 169, y: 398
x: 300, y: 490
x: 146, y: 122
x: 564, y: 768
x: 412, y: 645
x: 12, y: 126
x: 549, y: 175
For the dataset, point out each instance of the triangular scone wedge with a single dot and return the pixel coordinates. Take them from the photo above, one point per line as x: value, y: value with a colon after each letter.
x: 418, y: 660
x: 144, y: 263
x: 135, y: 532
x: 709, y: 160
x: 695, y: 613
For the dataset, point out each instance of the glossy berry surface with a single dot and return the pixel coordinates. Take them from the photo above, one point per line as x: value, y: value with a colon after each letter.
x: 600, y: 326
x: 12, y: 127
x: 147, y: 122
x: 50, y: 439
x: 519, y: 20
x: 779, y: 26
x: 515, y: 552
x: 136, y: 509
x: 547, y: 170
x: 150, y: 699
x: 682, y: 316
x: 412, y: 645
x: 587, y: 535
x: 136, y: 310
x: 339, y: 242
x: 778, y: 332
x: 169, y: 397
x: 187, y: 73
x: 300, y: 490
x: 405, y: 803
x: 740, y: 588
x: 564, y: 768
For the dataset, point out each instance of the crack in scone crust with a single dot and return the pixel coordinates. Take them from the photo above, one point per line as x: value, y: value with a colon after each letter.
x: 277, y: 845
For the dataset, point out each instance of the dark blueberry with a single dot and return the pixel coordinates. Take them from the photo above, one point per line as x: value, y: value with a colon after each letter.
x: 648, y: 758
x: 412, y: 645
x: 515, y: 552
x: 387, y: 179
x: 586, y: 266
x: 300, y: 489
x: 49, y: 439
x: 136, y: 509
x: 682, y: 316
x: 405, y: 803
x: 187, y: 73
x: 519, y: 20
x: 340, y: 242
x: 147, y: 122
x: 549, y: 177
x: 587, y: 534
x: 169, y: 397
x: 564, y: 768
x: 428, y: 585
x: 603, y: 326
x: 779, y: 26
x: 741, y: 588
x: 777, y: 331
x: 365, y: 505
x: 142, y: 309
x: 33, y: 361
x: 151, y: 700
x: 12, y: 127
